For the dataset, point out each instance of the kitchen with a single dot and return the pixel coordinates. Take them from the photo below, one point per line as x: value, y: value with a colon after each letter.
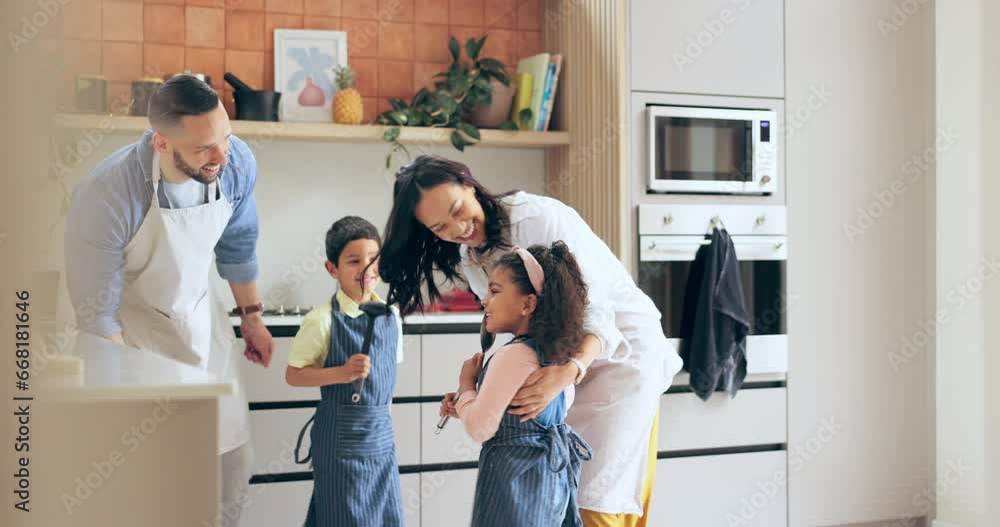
x: 840, y: 421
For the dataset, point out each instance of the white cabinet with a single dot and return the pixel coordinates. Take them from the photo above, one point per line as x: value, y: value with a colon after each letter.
x: 405, y: 427
x: 410, y: 489
x: 272, y: 504
x: 717, y: 47
x: 268, y: 384
x: 446, y: 497
x: 753, y: 417
x: 443, y: 357
x: 274, y: 434
x: 408, y: 371
x: 720, y: 491
x: 451, y: 445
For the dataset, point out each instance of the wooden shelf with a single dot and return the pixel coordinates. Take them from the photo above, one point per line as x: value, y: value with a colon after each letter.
x: 337, y: 133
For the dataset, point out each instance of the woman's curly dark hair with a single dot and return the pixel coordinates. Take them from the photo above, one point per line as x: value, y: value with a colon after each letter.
x: 557, y: 322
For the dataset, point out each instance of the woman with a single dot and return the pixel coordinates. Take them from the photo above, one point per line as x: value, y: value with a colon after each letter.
x: 444, y: 220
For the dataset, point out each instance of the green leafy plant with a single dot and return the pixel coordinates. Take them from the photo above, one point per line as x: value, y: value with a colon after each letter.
x: 457, y: 92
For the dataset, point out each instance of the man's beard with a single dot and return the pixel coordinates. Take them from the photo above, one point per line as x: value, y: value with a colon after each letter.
x: 195, y: 173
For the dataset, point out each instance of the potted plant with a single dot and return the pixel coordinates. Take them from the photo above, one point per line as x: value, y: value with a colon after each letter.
x: 467, y: 86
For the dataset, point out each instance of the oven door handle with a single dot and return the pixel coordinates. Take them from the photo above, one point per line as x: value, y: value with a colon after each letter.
x: 684, y: 248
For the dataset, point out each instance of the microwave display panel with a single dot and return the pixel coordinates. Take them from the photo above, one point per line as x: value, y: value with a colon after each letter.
x: 702, y: 149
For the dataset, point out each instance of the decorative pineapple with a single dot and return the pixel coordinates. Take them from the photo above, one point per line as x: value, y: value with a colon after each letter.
x: 347, y: 104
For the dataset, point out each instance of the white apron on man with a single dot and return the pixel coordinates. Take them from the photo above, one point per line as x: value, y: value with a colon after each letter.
x: 168, y: 305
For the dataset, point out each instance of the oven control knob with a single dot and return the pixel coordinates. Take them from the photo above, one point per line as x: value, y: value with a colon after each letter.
x: 668, y: 219
x: 760, y: 220
x: 765, y: 179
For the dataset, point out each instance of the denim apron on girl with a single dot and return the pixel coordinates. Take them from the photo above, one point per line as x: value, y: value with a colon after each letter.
x: 355, y: 472
x: 529, y: 472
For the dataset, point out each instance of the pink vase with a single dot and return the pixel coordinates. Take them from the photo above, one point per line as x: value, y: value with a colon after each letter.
x: 311, y: 95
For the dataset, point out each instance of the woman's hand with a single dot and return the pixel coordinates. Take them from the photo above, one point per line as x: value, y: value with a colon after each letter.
x: 541, y: 387
x: 470, y: 372
x: 448, y: 405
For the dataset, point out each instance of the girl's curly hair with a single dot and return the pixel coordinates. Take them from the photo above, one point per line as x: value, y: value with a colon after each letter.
x: 557, y: 322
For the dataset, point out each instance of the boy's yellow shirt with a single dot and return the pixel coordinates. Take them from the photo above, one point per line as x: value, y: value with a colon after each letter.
x: 312, y: 342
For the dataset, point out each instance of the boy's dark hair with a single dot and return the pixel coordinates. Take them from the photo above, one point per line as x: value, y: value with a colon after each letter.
x: 180, y: 96
x: 346, y: 230
x: 557, y: 323
x: 412, y: 252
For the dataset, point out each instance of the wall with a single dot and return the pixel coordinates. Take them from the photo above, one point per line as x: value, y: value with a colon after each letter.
x: 303, y: 187
x: 394, y: 45
x: 967, y: 405
x: 854, y: 296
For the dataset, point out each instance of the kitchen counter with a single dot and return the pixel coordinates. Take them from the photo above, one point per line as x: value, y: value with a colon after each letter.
x: 416, y: 324
x: 100, y: 370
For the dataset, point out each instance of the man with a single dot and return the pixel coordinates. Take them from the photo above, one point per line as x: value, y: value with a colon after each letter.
x: 140, y: 237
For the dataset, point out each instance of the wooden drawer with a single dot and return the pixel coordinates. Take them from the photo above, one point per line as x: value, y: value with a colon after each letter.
x: 719, y: 491
x: 274, y: 504
x: 453, y: 444
x: 447, y: 497
x: 443, y: 356
x: 753, y: 417
x: 268, y: 384
x: 274, y: 433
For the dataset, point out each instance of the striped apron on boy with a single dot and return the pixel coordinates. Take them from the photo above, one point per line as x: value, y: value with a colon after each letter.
x: 355, y: 472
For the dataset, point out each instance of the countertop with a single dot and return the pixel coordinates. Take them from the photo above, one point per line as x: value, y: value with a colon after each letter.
x: 415, y: 324
x: 100, y: 370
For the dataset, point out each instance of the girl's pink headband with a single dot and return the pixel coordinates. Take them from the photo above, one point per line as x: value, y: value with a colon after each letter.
x: 535, y: 273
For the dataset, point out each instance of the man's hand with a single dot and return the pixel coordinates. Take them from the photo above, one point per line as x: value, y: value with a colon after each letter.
x: 259, y: 342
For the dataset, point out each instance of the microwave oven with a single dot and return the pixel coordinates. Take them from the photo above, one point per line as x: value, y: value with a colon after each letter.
x: 702, y: 150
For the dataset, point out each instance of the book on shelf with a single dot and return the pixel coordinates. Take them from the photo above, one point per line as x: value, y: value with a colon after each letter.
x: 549, y: 92
x: 522, y: 97
x: 538, y: 67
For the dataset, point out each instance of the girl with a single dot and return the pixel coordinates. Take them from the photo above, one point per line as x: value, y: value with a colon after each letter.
x: 444, y: 220
x: 528, y: 470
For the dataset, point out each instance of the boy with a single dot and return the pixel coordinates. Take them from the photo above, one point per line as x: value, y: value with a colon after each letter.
x: 356, y: 475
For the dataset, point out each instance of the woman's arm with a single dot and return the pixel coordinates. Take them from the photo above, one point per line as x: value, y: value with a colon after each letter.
x: 546, y: 383
x: 482, y: 410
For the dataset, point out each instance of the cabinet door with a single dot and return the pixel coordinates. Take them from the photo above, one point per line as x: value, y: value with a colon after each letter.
x: 451, y: 445
x: 406, y: 428
x: 410, y: 487
x: 272, y: 504
x: 753, y: 417
x: 719, y: 491
x: 442, y: 357
x: 716, y: 47
x: 273, y: 434
x: 447, y: 497
x: 268, y: 384
x: 408, y: 371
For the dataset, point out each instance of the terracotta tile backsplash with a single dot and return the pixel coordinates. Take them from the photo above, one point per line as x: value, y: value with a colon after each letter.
x: 395, y: 46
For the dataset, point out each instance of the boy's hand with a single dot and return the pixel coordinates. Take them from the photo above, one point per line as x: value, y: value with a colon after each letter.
x: 357, y: 367
x: 448, y: 405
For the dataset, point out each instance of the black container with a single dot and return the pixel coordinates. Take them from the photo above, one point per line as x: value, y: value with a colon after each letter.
x: 251, y: 104
x: 257, y: 105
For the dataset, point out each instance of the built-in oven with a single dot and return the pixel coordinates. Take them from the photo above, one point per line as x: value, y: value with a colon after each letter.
x: 669, y: 239
x: 712, y: 150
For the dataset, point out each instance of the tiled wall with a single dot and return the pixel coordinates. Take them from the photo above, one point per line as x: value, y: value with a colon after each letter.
x: 395, y: 46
